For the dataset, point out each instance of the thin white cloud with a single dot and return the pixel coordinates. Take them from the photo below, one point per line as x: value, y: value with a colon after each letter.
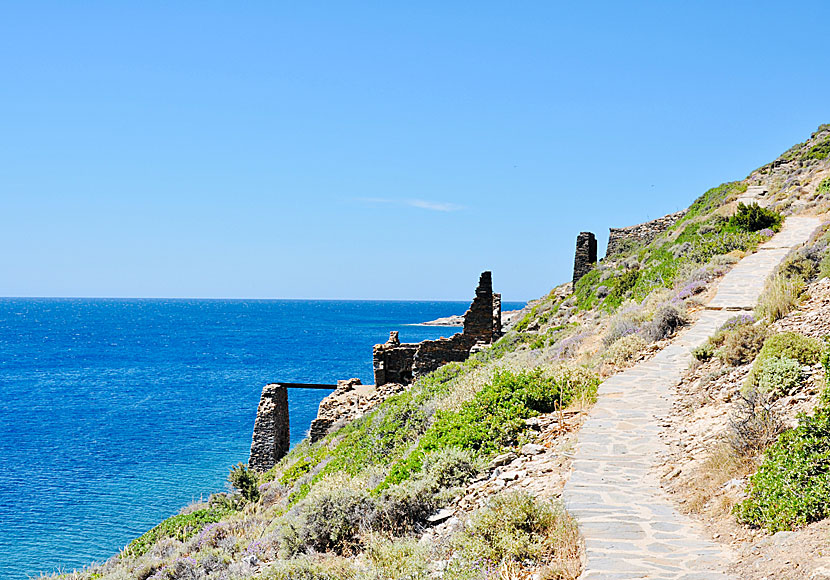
x: 419, y: 203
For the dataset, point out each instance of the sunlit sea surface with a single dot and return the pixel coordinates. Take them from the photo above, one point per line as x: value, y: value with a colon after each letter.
x: 116, y: 413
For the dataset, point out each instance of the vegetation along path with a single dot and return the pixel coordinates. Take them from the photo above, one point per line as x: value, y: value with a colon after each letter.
x: 631, y: 529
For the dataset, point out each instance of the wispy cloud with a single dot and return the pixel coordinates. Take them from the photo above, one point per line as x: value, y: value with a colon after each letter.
x: 419, y: 203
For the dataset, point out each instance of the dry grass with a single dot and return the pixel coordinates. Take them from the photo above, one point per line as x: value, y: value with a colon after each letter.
x: 781, y: 296
x: 705, y: 489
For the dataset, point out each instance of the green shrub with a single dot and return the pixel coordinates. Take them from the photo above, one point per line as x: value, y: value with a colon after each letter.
x: 753, y: 218
x: 823, y: 187
x: 779, y: 376
x: 804, y: 349
x: 625, y: 349
x: 311, y: 568
x: 824, y: 265
x: 819, y: 151
x: 792, y: 345
x: 516, y: 527
x: 330, y: 518
x: 620, y: 287
x: 703, y: 352
x: 792, y: 486
x: 742, y: 343
x: 245, y: 480
x: 403, y: 506
x: 180, y: 527
x: 494, y: 418
x: 666, y: 321
x: 396, y: 559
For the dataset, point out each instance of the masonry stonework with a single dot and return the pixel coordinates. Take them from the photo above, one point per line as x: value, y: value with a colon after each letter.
x: 586, y: 255
x: 620, y: 238
x: 271, y: 436
x: 404, y: 362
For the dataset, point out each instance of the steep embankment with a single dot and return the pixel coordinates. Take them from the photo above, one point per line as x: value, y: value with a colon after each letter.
x: 459, y: 476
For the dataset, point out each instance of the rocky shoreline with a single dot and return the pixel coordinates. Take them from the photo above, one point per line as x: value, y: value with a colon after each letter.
x: 507, y: 318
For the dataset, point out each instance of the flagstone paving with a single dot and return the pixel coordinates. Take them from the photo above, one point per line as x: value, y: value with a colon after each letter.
x: 631, y: 528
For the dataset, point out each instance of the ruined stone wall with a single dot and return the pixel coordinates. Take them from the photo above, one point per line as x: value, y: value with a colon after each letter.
x: 393, y: 361
x: 619, y: 238
x: 403, y: 363
x: 586, y: 255
x: 271, y: 437
x: 478, y: 320
x: 432, y: 354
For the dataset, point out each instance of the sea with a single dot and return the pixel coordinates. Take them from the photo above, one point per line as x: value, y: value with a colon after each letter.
x: 116, y: 413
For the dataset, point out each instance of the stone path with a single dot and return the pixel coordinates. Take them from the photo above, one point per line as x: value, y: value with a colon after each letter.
x: 631, y: 528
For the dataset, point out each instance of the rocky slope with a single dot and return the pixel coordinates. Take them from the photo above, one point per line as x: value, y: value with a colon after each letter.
x: 414, y: 488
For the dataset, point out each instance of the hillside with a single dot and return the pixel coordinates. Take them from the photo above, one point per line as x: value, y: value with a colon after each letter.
x: 461, y: 476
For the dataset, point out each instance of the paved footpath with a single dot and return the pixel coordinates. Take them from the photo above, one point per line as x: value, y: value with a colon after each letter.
x: 631, y: 528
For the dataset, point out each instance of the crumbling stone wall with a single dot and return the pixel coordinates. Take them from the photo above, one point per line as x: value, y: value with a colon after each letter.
x: 393, y: 361
x: 586, y: 255
x: 404, y: 363
x: 619, y: 238
x: 271, y: 437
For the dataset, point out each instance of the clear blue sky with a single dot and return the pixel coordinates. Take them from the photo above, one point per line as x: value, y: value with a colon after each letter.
x: 375, y: 150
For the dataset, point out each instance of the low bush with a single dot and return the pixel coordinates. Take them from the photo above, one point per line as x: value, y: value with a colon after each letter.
x: 494, y: 418
x: 180, y: 527
x: 330, y: 518
x: 792, y: 345
x: 666, y: 321
x: 395, y: 559
x: 245, y: 480
x: 625, y: 350
x: 804, y: 349
x: 779, y: 376
x: 752, y: 218
x: 403, y: 506
x: 754, y: 423
x: 792, y: 486
x: 311, y: 568
x: 517, y: 528
x: 621, y: 325
x: 823, y: 187
x: 741, y: 343
x: 703, y: 352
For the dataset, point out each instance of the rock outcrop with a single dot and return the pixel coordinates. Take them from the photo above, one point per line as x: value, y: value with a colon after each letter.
x: 348, y: 402
x: 271, y: 436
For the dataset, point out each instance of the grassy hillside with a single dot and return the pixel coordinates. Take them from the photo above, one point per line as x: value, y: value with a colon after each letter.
x: 355, y: 504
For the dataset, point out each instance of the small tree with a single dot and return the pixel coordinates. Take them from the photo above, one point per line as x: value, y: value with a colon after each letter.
x: 245, y: 480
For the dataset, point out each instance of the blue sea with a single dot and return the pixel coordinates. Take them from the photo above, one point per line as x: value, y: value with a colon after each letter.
x: 116, y: 413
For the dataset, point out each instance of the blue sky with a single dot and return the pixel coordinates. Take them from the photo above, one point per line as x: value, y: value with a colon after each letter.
x: 375, y: 150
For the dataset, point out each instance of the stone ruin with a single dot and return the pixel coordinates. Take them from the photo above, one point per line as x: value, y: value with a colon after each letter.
x: 271, y: 436
x: 402, y: 363
x: 585, y: 257
x: 619, y: 238
x: 395, y: 364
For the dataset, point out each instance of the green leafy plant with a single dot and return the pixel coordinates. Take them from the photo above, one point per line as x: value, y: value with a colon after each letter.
x: 517, y: 528
x: 779, y: 376
x: 494, y: 418
x: 792, y: 486
x: 180, y: 527
x: 753, y: 218
x: 245, y: 480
